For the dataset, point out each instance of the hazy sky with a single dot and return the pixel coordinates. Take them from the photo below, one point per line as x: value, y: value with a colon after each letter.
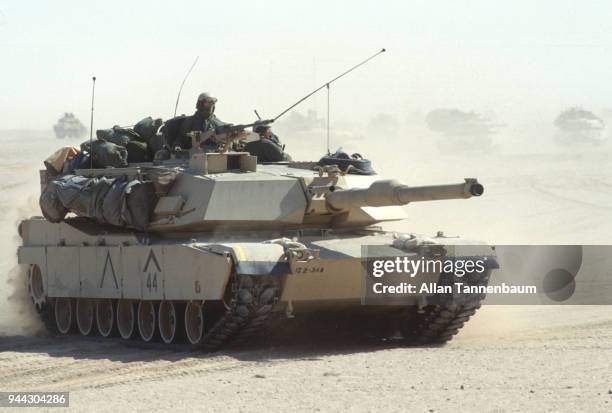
x: 508, y: 57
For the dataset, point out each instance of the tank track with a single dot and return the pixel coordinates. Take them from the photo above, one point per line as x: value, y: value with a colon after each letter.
x: 250, y: 306
x: 45, y: 313
x: 438, y: 324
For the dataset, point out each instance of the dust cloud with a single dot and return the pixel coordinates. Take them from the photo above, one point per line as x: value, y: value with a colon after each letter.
x: 23, y: 154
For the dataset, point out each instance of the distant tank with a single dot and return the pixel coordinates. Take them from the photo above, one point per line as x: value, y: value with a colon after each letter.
x: 68, y: 126
x: 303, y: 129
x: 461, y: 130
x: 209, y: 245
x: 576, y: 126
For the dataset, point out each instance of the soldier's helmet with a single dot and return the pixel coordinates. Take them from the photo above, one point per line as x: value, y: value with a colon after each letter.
x: 206, y: 97
x: 206, y: 103
x: 261, y: 128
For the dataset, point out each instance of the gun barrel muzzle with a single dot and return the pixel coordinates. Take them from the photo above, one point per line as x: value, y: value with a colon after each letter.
x: 391, y: 192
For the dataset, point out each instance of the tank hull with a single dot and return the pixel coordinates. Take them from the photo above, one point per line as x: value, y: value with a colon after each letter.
x: 81, y: 260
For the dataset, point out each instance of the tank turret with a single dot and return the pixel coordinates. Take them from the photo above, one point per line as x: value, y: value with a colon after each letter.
x: 229, y: 190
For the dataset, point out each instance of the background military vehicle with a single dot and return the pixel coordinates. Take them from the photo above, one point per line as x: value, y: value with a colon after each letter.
x: 576, y: 126
x: 208, y: 246
x: 460, y: 130
x: 68, y: 126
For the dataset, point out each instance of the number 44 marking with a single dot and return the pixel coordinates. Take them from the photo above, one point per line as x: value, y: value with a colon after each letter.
x: 152, y: 282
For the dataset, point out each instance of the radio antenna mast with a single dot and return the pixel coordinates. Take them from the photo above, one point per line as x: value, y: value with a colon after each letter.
x: 178, y: 97
x: 326, y: 84
x: 93, y: 93
x: 328, y: 150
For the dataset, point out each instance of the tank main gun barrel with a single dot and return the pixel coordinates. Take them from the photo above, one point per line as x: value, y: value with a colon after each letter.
x: 391, y: 192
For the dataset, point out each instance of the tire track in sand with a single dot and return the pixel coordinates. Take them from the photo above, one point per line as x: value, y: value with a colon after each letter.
x: 98, y: 365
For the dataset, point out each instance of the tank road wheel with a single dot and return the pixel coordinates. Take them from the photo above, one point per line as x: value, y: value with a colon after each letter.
x: 85, y: 315
x: 146, y: 320
x: 36, y: 287
x: 194, y: 322
x: 64, y: 314
x: 126, y: 319
x: 169, y: 319
x: 105, y: 317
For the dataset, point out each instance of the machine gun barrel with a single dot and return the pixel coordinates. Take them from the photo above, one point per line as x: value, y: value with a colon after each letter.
x: 229, y: 128
x: 391, y: 192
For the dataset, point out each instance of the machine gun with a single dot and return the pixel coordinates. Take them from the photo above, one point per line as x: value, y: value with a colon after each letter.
x: 230, y: 129
x: 225, y: 135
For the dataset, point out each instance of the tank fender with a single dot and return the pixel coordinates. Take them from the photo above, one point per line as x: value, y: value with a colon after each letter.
x: 455, y: 248
x: 31, y: 255
x: 255, y: 258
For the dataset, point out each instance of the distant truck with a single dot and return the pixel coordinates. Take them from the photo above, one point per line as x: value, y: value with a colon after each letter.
x: 68, y: 126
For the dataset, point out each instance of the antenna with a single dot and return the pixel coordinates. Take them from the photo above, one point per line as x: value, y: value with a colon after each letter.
x: 330, y: 82
x: 328, y: 151
x: 93, y: 93
x: 178, y: 97
x: 230, y: 129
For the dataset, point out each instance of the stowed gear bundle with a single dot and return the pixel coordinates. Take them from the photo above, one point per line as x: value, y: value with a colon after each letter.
x: 117, y: 147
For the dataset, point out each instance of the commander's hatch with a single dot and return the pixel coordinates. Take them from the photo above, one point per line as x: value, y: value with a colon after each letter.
x: 214, y: 163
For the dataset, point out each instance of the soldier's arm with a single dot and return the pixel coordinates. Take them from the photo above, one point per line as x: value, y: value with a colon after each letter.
x: 182, y: 139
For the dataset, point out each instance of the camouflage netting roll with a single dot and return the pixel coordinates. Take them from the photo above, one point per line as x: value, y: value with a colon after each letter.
x: 51, y: 205
x: 114, y: 201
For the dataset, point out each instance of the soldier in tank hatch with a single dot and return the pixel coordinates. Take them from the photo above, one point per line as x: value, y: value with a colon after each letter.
x: 203, y: 120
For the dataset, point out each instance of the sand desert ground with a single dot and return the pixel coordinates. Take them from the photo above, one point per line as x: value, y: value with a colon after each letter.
x: 536, y: 358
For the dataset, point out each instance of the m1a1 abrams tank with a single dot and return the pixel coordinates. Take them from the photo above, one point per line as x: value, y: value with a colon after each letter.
x: 461, y: 130
x: 213, y: 244
x: 576, y: 126
x: 68, y: 126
